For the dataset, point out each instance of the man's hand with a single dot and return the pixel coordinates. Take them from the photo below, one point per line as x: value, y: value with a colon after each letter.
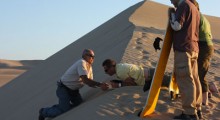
x: 104, y: 86
x: 115, y: 84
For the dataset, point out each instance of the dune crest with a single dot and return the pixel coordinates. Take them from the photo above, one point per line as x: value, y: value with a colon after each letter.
x: 127, y: 37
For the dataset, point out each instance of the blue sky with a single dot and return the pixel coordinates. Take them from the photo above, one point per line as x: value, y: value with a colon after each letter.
x: 36, y: 29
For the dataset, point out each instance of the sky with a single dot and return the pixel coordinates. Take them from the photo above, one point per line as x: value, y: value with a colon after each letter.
x: 37, y: 29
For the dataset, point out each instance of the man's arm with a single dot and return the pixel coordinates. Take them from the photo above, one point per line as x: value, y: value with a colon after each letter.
x: 92, y: 83
x: 119, y: 83
x: 129, y: 82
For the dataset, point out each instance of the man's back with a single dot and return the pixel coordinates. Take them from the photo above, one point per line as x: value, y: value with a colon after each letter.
x: 71, y: 78
x: 124, y: 70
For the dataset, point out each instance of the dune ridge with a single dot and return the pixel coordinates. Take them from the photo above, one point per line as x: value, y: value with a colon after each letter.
x: 127, y: 37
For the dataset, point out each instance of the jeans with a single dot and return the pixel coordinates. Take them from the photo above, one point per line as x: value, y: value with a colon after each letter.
x: 67, y: 99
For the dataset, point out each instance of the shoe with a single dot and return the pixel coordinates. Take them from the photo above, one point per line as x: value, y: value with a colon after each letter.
x: 199, y: 114
x: 186, y: 117
x: 139, y: 113
x: 41, y: 117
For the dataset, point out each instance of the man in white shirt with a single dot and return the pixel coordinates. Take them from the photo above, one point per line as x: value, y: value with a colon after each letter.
x: 79, y: 74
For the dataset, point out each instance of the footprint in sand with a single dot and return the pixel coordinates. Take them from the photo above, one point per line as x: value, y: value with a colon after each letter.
x: 145, y: 52
x: 139, y: 39
x: 215, y: 64
x: 144, y: 34
x: 153, y: 63
x: 211, y: 72
x: 217, y: 78
x: 139, y: 48
x: 145, y: 57
x: 136, y: 41
x: 217, y: 51
x: 139, y: 42
x: 145, y: 37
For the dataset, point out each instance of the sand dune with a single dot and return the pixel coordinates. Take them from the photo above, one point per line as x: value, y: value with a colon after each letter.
x: 10, y: 69
x: 127, y: 37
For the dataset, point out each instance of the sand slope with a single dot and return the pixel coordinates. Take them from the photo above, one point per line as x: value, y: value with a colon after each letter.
x: 10, y: 69
x: 127, y: 37
x: 36, y: 88
x: 125, y: 103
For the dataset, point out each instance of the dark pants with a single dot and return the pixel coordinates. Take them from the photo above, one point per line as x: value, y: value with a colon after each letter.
x: 165, y: 82
x: 67, y: 100
x: 205, y: 54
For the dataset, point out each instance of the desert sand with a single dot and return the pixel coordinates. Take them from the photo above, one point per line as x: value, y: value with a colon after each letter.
x: 10, y: 69
x: 127, y: 37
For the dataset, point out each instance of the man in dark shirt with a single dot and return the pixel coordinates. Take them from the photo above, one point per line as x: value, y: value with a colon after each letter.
x: 185, y: 24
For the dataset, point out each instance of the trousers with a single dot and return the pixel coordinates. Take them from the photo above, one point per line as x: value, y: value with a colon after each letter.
x: 205, y: 54
x: 186, y: 71
x: 68, y: 99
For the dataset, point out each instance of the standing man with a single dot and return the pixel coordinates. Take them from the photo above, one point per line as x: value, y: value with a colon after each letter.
x: 79, y: 74
x: 185, y: 23
x: 206, y: 51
